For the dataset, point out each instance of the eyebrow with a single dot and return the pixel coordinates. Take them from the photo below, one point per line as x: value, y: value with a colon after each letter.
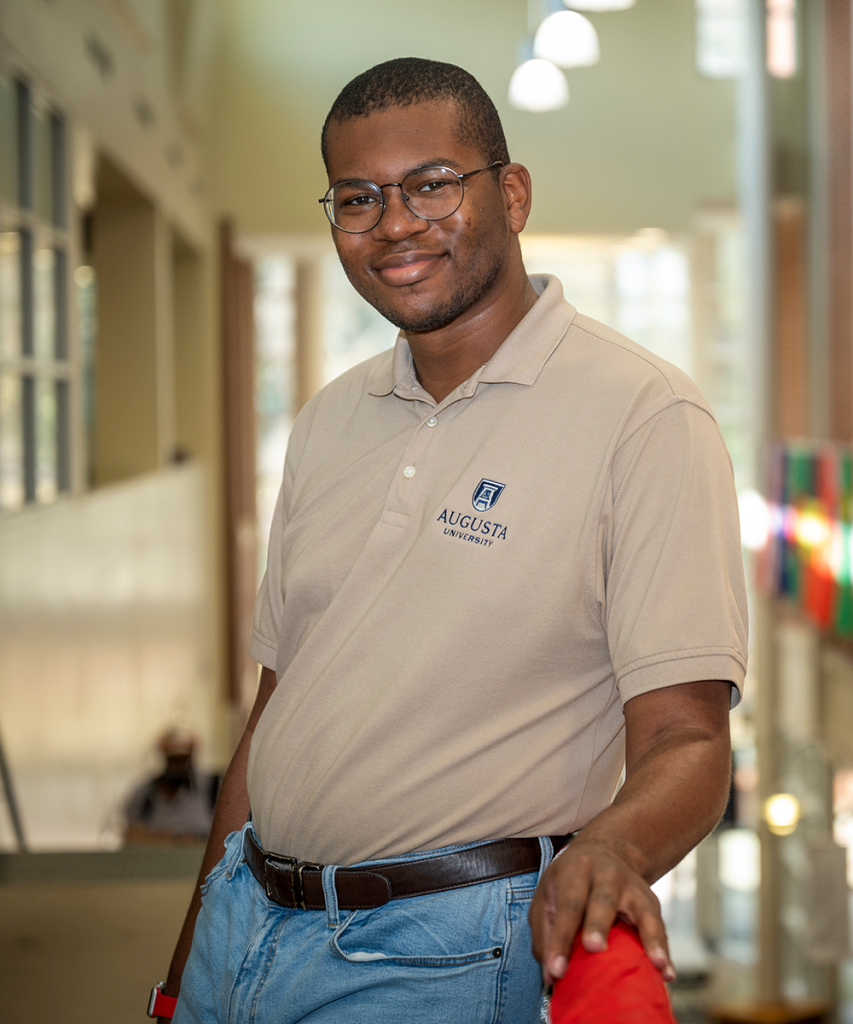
x: 436, y: 162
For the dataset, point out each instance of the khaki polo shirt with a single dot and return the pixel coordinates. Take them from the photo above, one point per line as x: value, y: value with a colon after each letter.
x: 461, y: 596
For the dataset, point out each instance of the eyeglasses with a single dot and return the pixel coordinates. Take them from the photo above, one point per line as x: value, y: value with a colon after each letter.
x: 431, y: 193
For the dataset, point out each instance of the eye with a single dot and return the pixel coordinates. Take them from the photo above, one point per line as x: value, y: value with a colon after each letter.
x: 358, y: 201
x: 433, y: 185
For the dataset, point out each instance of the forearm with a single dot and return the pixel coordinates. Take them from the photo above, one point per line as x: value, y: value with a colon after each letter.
x: 678, y: 758
x: 232, y: 812
x: 673, y: 796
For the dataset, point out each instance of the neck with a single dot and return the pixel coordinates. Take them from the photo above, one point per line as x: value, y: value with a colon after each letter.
x: 446, y: 358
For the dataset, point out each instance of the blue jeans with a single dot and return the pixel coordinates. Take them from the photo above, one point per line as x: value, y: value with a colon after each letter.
x: 460, y: 957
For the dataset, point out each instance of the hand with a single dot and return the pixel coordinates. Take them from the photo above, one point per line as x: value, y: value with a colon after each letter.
x: 588, y: 887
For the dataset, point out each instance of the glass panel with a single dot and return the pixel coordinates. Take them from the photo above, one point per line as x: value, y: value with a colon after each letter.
x: 10, y: 295
x: 28, y: 420
x: 8, y: 143
x: 274, y: 385
x: 44, y: 309
x: 60, y: 295
x: 11, y: 442
x: 58, y: 170
x: 63, y: 436
x: 46, y: 450
x: 23, y: 110
x: 42, y: 165
x: 721, y: 32
x: 86, y: 286
x: 25, y: 264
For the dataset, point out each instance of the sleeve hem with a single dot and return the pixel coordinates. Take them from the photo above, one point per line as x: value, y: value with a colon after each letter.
x: 683, y: 667
x: 262, y: 651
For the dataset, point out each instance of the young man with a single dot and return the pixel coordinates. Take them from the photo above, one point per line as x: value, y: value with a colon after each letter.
x: 504, y: 563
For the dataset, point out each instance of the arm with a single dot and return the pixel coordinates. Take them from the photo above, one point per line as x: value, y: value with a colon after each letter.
x: 232, y: 812
x: 677, y: 768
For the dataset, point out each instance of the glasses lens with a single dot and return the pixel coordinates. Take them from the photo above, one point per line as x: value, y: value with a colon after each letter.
x: 354, y: 205
x: 433, y: 193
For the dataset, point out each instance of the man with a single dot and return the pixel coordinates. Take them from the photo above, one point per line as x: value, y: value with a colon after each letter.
x: 504, y: 562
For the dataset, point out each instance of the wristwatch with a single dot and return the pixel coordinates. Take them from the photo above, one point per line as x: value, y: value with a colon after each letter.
x: 160, y: 1005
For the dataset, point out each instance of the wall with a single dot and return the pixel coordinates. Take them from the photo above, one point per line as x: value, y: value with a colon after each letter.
x: 644, y: 141
x: 104, y: 641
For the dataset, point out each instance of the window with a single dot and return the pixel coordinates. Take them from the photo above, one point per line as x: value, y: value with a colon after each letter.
x: 35, y: 368
x: 722, y: 34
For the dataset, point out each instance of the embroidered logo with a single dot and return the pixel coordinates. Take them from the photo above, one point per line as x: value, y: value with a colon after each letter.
x: 486, y: 494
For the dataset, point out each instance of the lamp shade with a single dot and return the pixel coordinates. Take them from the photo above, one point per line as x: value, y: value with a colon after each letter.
x: 599, y: 5
x: 538, y: 85
x: 567, y: 39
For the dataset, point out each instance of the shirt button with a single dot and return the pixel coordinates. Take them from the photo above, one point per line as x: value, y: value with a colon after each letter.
x: 431, y: 422
x: 409, y: 472
x: 415, y: 387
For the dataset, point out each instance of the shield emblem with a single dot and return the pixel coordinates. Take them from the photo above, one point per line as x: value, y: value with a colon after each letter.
x: 486, y: 494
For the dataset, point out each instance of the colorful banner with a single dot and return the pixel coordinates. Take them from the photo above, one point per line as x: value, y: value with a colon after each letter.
x: 809, y: 553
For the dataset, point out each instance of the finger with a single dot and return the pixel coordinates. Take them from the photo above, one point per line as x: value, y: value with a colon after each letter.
x: 601, y: 911
x: 647, y: 920
x: 566, y: 898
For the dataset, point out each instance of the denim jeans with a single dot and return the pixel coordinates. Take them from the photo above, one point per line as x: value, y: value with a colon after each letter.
x: 459, y: 957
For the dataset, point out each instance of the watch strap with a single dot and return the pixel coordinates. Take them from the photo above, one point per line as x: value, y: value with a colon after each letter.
x: 160, y: 1005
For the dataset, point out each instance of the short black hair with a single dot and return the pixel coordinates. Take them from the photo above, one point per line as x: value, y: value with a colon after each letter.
x: 406, y: 80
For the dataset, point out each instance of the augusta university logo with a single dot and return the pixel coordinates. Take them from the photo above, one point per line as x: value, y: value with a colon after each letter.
x: 486, y: 494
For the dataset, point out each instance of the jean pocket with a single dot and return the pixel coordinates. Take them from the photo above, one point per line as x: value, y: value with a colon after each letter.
x: 449, y: 929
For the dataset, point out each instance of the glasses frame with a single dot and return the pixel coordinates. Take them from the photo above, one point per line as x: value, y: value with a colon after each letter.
x: 328, y: 202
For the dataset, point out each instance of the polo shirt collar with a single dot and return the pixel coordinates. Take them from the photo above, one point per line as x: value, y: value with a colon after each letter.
x: 519, y: 360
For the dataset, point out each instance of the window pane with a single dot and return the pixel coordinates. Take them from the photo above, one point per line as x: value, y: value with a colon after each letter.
x: 11, y: 442
x: 46, y: 451
x: 44, y: 310
x: 60, y: 298
x: 63, y: 436
x: 8, y: 143
x: 275, y: 348
x: 25, y: 264
x: 28, y: 434
x: 58, y: 170
x: 23, y: 110
x: 42, y: 165
x: 10, y: 295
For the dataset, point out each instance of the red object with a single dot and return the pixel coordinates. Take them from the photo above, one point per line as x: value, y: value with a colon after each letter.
x: 160, y: 1005
x: 618, y: 986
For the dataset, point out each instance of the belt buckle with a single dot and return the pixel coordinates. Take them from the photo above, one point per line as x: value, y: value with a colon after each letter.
x: 296, y: 881
x: 270, y: 860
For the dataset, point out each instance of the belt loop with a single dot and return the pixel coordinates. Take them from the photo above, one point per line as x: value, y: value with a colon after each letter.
x: 546, y: 848
x: 331, y: 895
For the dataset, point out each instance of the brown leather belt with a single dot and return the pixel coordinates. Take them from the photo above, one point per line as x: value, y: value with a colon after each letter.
x: 299, y: 884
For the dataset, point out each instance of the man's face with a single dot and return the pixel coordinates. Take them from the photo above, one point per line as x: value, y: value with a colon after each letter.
x: 421, y: 275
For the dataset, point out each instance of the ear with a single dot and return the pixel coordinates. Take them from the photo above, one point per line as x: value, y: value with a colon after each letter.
x: 517, y: 189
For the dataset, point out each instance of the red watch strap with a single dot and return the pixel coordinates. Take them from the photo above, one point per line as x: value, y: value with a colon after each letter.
x: 160, y: 1005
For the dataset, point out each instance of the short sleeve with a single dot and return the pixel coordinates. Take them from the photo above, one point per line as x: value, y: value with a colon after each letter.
x: 269, y: 605
x: 675, y: 599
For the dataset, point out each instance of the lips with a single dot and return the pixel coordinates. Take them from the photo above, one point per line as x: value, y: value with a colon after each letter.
x: 408, y: 267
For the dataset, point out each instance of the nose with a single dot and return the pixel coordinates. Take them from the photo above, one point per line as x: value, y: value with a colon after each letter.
x: 397, y: 220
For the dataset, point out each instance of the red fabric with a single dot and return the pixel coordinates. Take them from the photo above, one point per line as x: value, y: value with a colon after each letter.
x: 619, y: 986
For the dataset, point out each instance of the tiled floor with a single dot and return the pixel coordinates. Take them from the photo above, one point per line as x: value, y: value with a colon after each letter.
x: 85, y: 952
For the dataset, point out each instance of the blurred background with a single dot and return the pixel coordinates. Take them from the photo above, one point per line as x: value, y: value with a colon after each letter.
x: 169, y: 298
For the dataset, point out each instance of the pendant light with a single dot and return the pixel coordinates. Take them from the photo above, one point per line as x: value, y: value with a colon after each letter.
x: 567, y: 39
x: 538, y: 85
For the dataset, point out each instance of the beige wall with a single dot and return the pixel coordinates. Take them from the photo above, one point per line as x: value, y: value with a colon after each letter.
x: 644, y: 141
x: 105, y: 640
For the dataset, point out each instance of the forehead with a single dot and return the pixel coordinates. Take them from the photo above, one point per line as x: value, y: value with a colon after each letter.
x: 390, y: 142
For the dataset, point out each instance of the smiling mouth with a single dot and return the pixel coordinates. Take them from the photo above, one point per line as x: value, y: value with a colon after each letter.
x: 402, y: 268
